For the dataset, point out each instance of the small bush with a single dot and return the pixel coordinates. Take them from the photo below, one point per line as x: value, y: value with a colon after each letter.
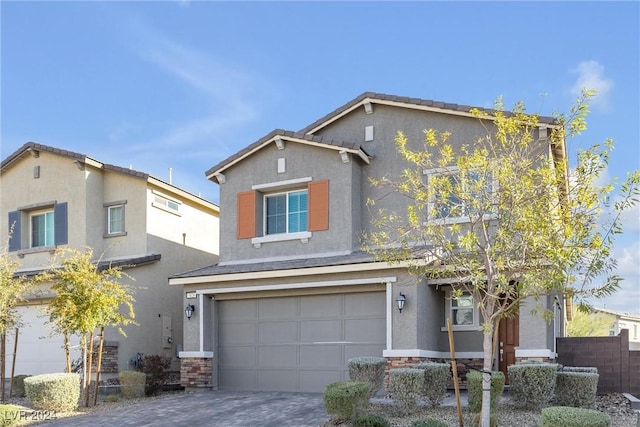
x: 577, y: 389
x: 564, y: 416
x: 588, y: 369
x: 436, y: 380
x: 493, y: 422
x: 429, y: 422
x: 9, y: 415
x: 369, y: 370
x: 132, y: 384
x: 405, y: 385
x: 345, y: 399
x: 474, y: 389
x: 112, y: 398
x: 157, y: 369
x: 18, y: 385
x: 53, y: 392
x: 532, y: 384
x: 370, y: 420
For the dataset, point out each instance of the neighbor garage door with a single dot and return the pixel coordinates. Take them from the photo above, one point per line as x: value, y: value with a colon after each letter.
x: 296, y: 343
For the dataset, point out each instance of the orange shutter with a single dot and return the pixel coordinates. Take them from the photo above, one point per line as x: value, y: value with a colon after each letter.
x: 318, y: 205
x: 246, y: 214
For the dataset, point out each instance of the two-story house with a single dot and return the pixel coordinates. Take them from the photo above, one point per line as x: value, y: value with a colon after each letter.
x: 293, y: 295
x: 52, y: 198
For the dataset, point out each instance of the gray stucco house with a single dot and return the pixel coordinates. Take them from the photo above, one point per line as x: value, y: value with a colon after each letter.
x: 293, y: 295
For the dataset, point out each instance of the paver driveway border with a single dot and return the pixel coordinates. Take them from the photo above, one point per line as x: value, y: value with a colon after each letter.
x: 211, y: 408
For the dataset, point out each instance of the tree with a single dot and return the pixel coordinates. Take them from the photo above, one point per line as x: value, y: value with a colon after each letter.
x: 13, y: 288
x: 502, y: 220
x: 88, y: 295
x: 591, y: 324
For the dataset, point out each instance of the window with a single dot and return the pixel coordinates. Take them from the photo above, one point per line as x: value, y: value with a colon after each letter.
x: 115, y: 218
x: 453, y: 203
x: 42, y: 229
x: 286, y: 212
x: 463, y: 312
x: 165, y: 203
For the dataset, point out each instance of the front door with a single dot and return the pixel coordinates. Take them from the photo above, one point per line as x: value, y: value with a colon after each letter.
x: 508, y: 340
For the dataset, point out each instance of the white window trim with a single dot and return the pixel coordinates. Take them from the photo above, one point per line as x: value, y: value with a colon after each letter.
x: 264, y: 211
x: 303, y: 236
x: 43, y: 212
x: 450, y: 220
x: 281, y: 185
x: 448, y: 312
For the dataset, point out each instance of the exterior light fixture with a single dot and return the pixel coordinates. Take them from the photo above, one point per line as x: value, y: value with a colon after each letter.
x: 400, y: 300
x: 189, y: 310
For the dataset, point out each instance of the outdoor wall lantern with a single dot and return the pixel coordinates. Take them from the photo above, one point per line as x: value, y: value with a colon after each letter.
x: 189, y: 310
x: 400, y: 300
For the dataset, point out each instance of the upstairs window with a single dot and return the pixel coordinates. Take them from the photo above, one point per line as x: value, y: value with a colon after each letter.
x: 42, y: 229
x: 166, y: 203
x: 114, y: 212
x: 286, y: 212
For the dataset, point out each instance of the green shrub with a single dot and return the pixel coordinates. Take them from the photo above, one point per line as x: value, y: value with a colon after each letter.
x: 18, y: 385
x: 370, y: 420
x: 345, y: 399
x: 436, y: 380
x: 112, y: 398
x: 157, y: 369
x: 132, y: 384
x: 564, y: 416
x: 405, y: 385
x: 577, y: 389
x: 53, y: 392
x: 9, y: 415
x: 532, y: 384
x: 588, y: 369
x: 369, y: 370
x: 493, y: 421
x: 429, y: 422
x: 474, y: 389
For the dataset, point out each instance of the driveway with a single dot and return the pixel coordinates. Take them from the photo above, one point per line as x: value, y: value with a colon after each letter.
x: 212, y: 408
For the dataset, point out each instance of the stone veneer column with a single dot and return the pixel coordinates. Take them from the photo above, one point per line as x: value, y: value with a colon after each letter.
x: 196, y: 370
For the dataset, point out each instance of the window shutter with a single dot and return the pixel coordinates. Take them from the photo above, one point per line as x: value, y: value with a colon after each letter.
x: 318, y: 205
x: 14, y: 228
x: 60, y: 224
x: 246, y: 214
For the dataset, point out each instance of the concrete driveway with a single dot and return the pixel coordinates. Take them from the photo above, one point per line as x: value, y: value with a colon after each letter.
x: 212, y: 408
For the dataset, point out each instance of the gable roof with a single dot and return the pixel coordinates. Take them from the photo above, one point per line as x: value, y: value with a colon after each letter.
x: 284, y: 135
x: 403, y: 102
x: 33, y: 148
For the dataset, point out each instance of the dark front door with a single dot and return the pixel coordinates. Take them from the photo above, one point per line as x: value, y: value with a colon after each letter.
x: 508, y: 340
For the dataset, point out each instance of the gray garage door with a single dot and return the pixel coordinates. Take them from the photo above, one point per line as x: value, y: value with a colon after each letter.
x: 296, y: 343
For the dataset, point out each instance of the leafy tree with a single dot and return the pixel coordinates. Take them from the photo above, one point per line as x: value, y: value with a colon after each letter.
x: 87, y: 296
x: 591, y: 324
x: 502, y: 220
x: 13, y: 289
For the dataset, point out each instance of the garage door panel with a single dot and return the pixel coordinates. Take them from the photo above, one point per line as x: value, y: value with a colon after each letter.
x: 320, y: 356
x: 238, y: 310
x: 364, y: 329
x: 320, y: 330
x: 238, y: 379
x: 358, y: 350
x: 277, y: 379
x: 232, y: 357
x: 277, y: 332
x: 277, y: 356
x: 320, y: 306
x: 238, y: 333
x: 312, y: 381
x: 277, y: 308
x: 366, y: 304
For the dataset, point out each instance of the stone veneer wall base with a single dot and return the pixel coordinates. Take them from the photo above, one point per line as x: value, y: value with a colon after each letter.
x: 196, y: 373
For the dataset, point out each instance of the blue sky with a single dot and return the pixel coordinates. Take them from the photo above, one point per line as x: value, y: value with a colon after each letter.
x: 183, y: 85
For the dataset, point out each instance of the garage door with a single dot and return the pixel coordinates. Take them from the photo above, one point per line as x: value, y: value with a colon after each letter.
x: 38, y: 351
x: 296, y: 343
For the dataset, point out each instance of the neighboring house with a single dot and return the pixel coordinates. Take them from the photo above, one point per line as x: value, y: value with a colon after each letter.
x: 294, y: 296
x: 53, y: 197
x: 624, y: 320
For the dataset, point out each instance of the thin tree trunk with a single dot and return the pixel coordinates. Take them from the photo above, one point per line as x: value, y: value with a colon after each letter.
x: 66, y: 352
x: 3, y: 356
x: 487, y: 346
x: 13, y: 363
x: 87, y: 381
x: 454, y: 368
x: 98, y: 367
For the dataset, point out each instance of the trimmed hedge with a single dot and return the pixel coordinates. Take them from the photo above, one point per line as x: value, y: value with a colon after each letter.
x: 436, y: 380
x: 369, y: 370
x: 132, y: 384
x: 474, y: 389
x: 53, y: 392
x: 429, y: 422
x: 18, y: 385
x: 9, y: 415
x: 345, y: 399
x: 588, y: 369
x: 370, y: 420
x: 532, y: 384
x: 564, y: 416
x: 577, y: 389
x: 405, y: 385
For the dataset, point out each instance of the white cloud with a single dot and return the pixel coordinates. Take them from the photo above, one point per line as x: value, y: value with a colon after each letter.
x: 591, y: 76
